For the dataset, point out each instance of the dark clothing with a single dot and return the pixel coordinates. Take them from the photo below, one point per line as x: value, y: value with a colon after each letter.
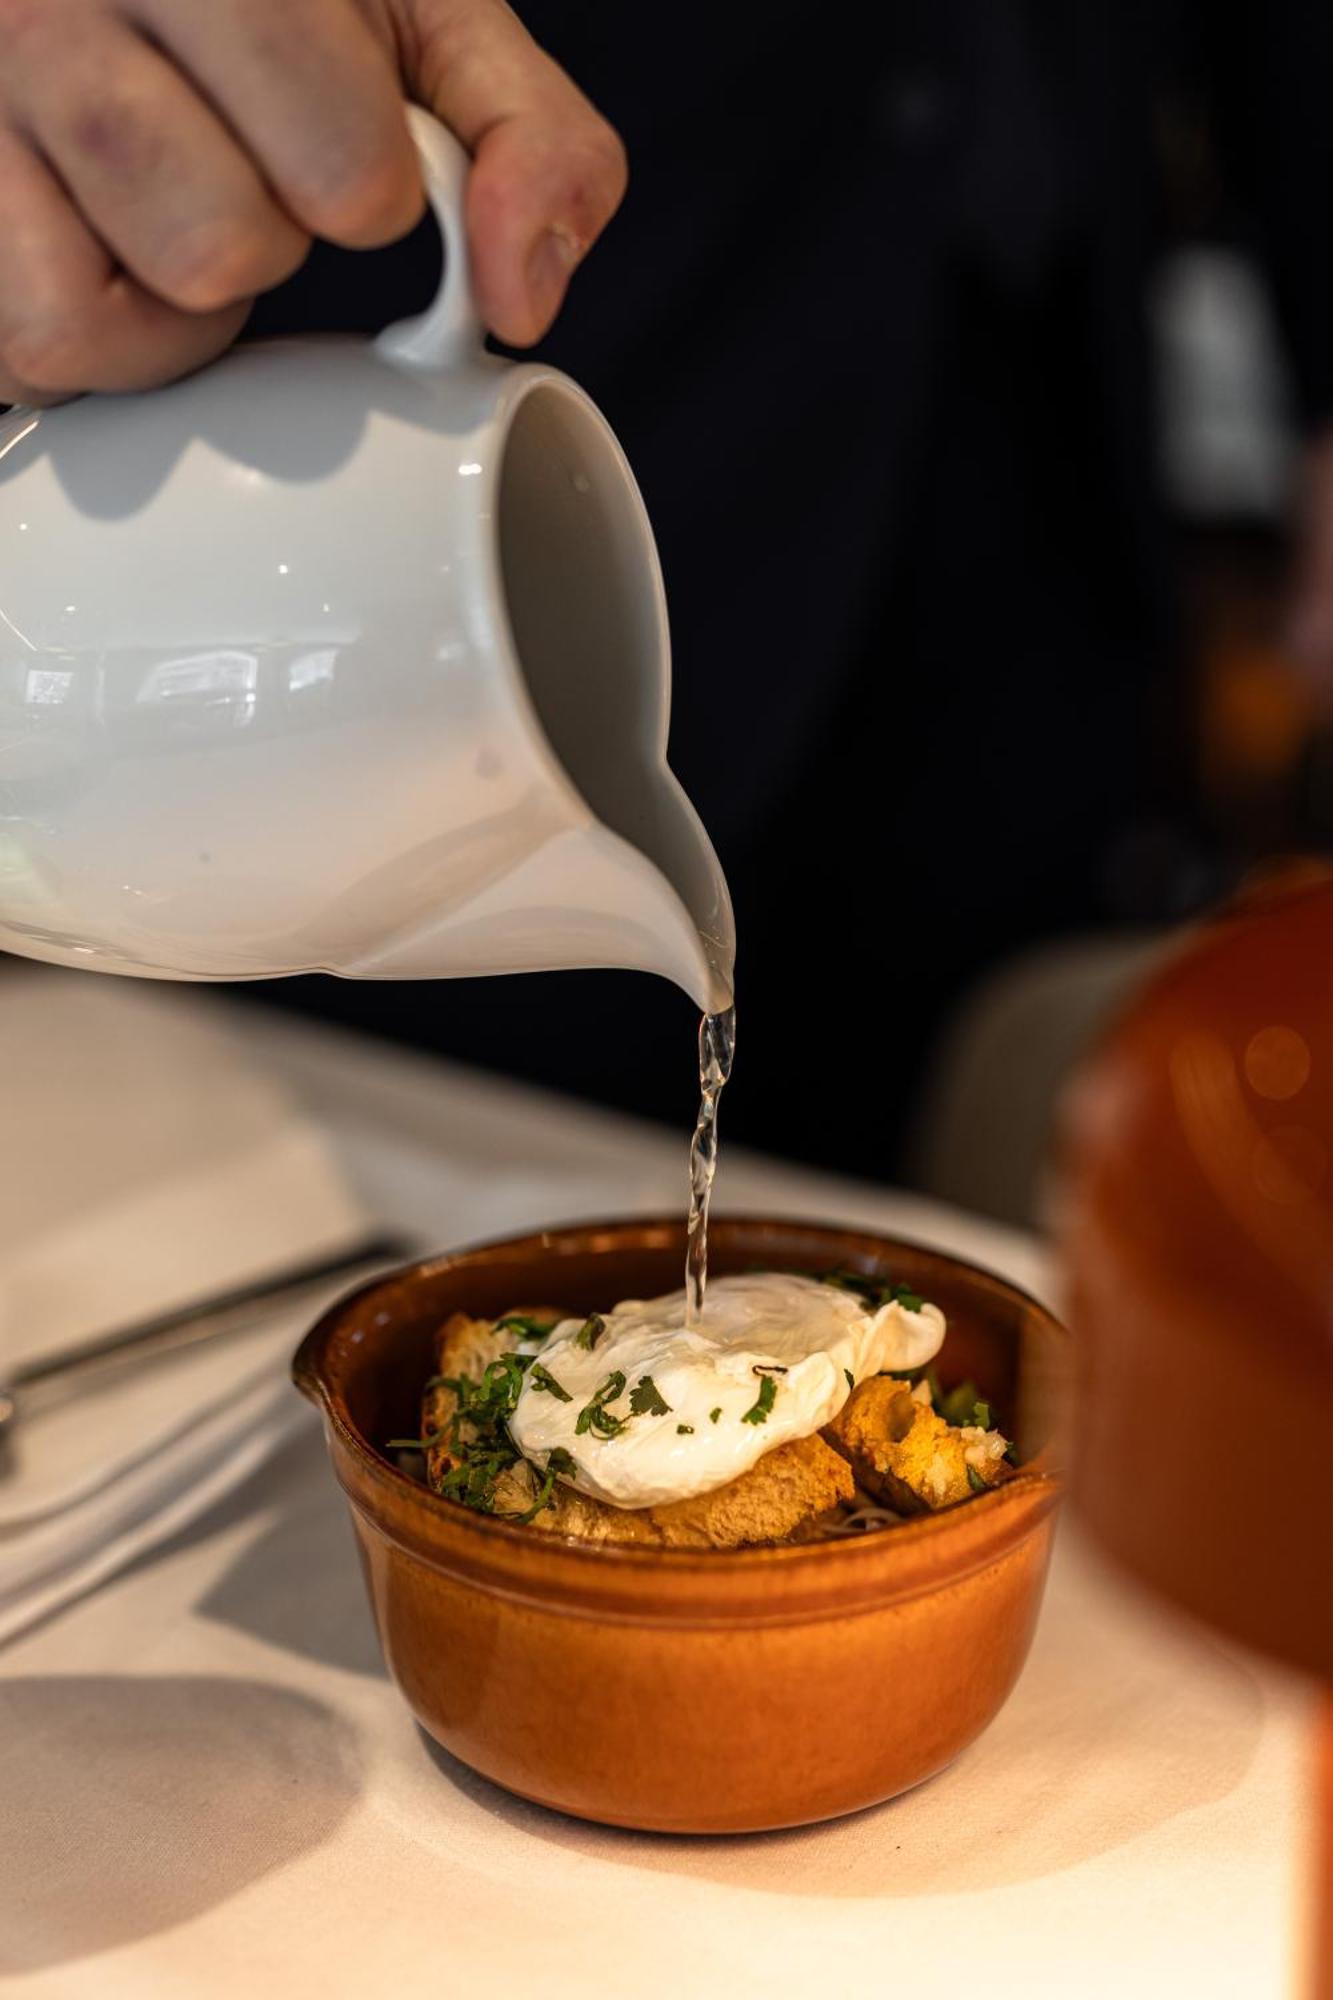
x: 870, y: 328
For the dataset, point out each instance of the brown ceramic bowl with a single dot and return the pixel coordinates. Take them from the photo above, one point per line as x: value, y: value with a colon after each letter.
x: 667, y: 1689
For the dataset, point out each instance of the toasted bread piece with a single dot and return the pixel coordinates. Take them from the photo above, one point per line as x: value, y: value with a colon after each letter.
x: 903, y: 1451
x: 788, y: 1492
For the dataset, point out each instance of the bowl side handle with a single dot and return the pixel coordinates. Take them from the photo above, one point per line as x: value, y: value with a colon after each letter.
x: 305, y: 1366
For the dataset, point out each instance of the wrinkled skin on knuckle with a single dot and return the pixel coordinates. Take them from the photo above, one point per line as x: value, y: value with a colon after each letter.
x: 117, y: 138
x: 113, y: 135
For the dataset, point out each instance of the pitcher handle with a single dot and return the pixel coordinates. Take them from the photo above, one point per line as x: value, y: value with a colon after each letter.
x: 449, y: 330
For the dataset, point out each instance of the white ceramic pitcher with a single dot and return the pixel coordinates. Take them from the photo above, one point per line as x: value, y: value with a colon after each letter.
x: 343, y: 655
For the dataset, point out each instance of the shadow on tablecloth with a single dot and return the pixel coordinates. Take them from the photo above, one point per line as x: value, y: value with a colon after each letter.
x: 147, y: 1800
x: 299, y: 1586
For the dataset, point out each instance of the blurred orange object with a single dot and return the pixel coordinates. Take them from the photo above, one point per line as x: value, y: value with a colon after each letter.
x: 1198, y: 1232
x: 1257, y: 713
x: 1197, y: 1226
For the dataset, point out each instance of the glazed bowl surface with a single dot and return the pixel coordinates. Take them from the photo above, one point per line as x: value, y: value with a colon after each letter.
x: 674, y: 1690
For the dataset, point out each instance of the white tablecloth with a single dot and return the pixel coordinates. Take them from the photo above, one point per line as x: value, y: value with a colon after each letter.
x: 208, y: 1786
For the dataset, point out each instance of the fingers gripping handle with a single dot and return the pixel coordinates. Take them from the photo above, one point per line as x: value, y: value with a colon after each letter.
x: 449, y: 329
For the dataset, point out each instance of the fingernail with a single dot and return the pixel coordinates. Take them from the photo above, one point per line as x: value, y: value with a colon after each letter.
x: 553, y: 260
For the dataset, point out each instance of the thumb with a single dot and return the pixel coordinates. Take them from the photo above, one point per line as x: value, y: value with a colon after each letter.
x: 548, y: 170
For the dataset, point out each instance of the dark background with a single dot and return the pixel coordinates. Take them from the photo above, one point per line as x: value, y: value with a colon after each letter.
x: 955, y: 672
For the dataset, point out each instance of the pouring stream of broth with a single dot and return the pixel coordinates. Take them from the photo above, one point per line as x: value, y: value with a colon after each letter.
x: 717, y: 1044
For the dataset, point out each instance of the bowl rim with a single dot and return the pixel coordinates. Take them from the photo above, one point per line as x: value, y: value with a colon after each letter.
x: 1037, y: 1479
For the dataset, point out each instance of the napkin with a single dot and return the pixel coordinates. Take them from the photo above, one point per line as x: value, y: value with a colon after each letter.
x: 149, y: 1161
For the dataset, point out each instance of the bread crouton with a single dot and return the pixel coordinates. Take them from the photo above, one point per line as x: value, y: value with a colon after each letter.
x: 788, y: 1492
x: 904, y: 1452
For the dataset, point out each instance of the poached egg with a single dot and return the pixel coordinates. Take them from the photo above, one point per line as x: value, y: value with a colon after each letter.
x: 645, y: 1409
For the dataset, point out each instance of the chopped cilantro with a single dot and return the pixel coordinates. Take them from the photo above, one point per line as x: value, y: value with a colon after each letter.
x: 875, y: 1292
x: 851, y: 1380
x: 590, y: 1332
x: 646, y: 1399
x: 542, y: 1378
x: 769, y: 1368
x: 595, y: 1417
x: 561, y: 1461
x: 768, y: 1395
x: 981, y: 1414
x: 474, y: 1440
x: 975, y: 1480
x: 684, y: 1430
x: 525, y: 1326
x: 713, y: 1415
x: 955, y: 1405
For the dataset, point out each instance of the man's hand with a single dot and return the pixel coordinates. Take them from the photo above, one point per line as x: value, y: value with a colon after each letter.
x: 163, y: 161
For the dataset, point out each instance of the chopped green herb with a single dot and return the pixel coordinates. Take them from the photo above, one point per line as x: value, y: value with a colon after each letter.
x: 595, y: 1417
x: 955, y: 1405
x: 768, y: 1395
x: 873, y: 1292
x: 851, y: 1380
x: 590, y: 1332
x: 475, y: 1440
x: 1011, y: 1452
x: 601, y: 1423
x: 713, y: 1415
x: 542, y: 1378
x: 646, y: 1400
x: 981, y: 1415
x: 769, y: 1368
x: 684, y: 1430
x: 562, y: 1461
x: 975, y: 1480
x: 525, y: 1326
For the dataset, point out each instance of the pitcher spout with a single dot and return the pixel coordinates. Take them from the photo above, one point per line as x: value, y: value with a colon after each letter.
x: 584, y: 898
x: 676, y: 855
